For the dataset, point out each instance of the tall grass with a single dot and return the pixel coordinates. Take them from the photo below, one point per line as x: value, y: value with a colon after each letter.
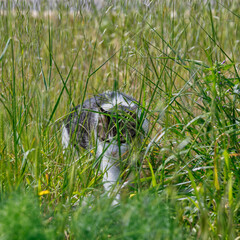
x: 181, y: 60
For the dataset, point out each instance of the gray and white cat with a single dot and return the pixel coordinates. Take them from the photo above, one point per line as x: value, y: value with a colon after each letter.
x: 110, y: 122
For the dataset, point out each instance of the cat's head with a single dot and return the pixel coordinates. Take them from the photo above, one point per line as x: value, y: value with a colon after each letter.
x: 121, y: 126
x: 120, y: 119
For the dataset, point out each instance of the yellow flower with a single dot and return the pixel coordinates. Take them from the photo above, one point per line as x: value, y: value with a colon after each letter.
x: 132, y: 195
x: 43, y: 192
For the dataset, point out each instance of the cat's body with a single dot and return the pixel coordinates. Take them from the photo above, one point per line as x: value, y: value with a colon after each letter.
x: 110, y: 121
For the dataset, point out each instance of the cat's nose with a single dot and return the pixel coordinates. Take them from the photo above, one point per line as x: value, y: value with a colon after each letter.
x: 115, y: 153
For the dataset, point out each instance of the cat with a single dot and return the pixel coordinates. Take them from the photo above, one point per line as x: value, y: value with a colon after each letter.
x: 110, y: 121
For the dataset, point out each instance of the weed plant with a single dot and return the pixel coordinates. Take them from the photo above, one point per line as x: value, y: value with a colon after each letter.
x: 180, y: 59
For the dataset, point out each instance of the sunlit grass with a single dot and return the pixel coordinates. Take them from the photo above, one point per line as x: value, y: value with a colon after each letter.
x: 180, y: 59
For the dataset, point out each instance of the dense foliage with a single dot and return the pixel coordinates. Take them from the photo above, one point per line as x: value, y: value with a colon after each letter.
x: 180, y: 59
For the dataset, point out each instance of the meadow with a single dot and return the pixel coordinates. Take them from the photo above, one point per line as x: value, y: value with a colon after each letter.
x: 180, y: 59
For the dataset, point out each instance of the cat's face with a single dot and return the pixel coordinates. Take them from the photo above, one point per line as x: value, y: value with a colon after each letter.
x: 119, y: 120
x: 116, y: 130
x: 118, y: 127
